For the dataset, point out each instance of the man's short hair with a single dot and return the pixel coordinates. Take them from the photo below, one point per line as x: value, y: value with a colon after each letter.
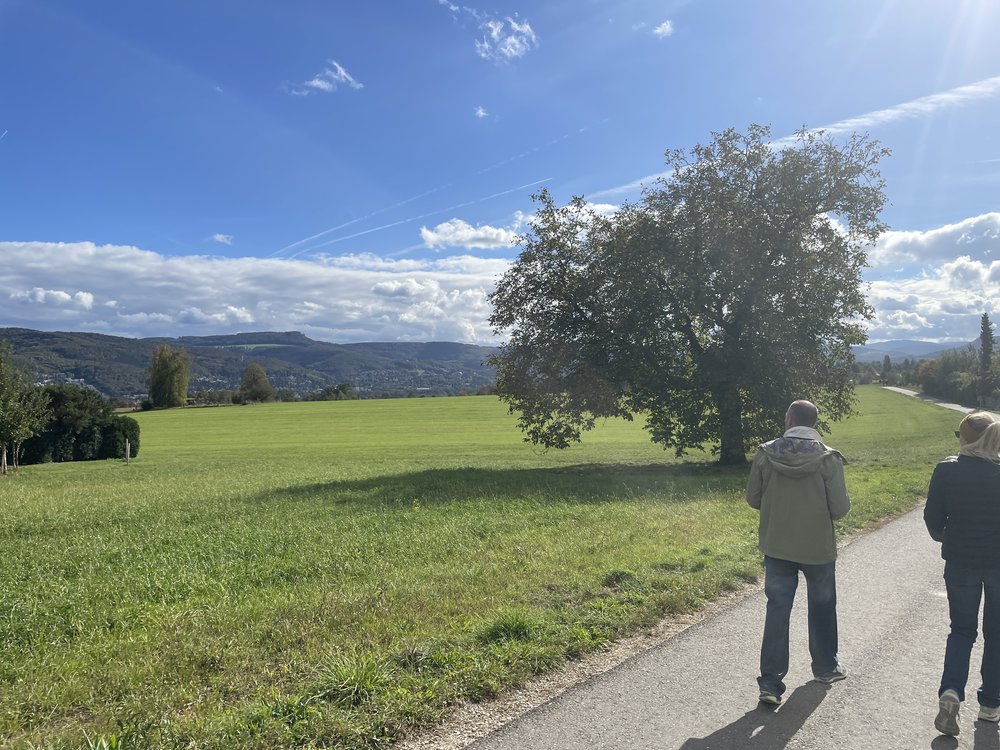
x: 803, y: 413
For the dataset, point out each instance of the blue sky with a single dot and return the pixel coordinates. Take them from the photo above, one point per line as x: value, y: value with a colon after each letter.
x: 357, y: 171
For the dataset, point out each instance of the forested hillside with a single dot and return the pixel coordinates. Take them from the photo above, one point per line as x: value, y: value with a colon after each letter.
x: 116, y: 366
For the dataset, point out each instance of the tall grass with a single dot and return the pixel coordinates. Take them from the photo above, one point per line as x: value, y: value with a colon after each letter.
x: 340, y: 573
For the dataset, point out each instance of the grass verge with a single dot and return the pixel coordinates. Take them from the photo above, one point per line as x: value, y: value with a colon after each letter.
x: 339, y: 574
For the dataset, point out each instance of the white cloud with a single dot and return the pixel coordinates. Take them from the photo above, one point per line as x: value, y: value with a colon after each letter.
x: 42, y: 296
x: 941, y: 304
x: 458, y: 233
x: 977, y: 237
x: 223, y: 239
x: 229, y: 314
x: 358, y: 297
x: 408, y: 287
x: 326, y: 81
x: 53, y: 298
x: 505, y: 39
x: 664, y: 30
x: 320, y: 84
x: 908, y: 322
x: 603, y: 209
x: 481, y: 113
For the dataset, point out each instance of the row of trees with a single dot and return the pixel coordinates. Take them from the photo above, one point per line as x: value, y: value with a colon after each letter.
x: 902, y: 372
x: 965, y: 376
x: 169, y: 375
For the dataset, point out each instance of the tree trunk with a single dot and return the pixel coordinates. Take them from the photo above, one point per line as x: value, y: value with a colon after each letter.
x: 727, y: 401
x: 3, y: 459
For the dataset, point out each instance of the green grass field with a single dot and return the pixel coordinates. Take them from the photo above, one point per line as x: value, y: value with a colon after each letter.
x: 337, y: 574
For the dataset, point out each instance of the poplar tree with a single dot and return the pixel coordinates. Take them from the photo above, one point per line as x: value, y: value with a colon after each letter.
x: 169, y: 373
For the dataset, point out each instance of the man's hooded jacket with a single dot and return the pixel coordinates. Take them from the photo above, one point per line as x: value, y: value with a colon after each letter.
x: 797, y: 483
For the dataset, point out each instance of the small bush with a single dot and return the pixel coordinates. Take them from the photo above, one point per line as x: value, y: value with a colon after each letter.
x: 355, y: 681
x: 115, y: 434
x: 510, y: 626
x: 620, y: 579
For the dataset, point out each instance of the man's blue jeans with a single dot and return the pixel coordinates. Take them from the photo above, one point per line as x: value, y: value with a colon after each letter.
x: 781, y: 578
x: 965, y: 590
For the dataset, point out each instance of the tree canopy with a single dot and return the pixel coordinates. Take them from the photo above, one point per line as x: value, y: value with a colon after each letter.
x: 731, y: 289
x: 81, y: 426
x: 254, y: 385
x: 24, y: 409
x: 169, y: 372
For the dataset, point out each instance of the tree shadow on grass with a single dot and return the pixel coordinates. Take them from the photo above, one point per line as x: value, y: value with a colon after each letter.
x: 581, y: 484
x: 763, y: 727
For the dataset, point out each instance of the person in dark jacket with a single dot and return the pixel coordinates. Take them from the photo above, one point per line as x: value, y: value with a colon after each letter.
x: 963, y: 513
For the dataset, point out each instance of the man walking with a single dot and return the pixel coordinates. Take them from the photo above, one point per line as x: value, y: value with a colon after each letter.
x: 797, y: 483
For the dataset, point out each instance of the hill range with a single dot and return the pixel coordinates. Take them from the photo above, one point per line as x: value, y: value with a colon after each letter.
x: 899, y: 350
x: 116, y: 366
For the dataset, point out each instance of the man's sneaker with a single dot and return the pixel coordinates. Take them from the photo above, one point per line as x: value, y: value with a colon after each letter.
x: 836, y: 675
x: 769, y: 698
x: 947, y: 718
x: 989, y: 714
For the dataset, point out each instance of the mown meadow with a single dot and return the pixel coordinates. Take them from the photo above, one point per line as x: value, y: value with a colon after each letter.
x: 338, y: 574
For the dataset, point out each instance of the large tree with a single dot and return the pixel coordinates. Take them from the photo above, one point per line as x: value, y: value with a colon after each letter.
x: 169, y: 372
x: 731, y: 289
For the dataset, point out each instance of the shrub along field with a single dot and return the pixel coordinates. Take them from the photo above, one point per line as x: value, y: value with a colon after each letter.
x: 337, y: 574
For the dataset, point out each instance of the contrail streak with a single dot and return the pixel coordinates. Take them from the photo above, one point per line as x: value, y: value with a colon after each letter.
x: 484, y: 170
x: 415, y: 218
x: 360, y: 218
x: 913, y: 109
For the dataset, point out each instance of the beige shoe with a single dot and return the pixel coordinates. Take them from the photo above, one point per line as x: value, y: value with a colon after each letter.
x: 989, y: 714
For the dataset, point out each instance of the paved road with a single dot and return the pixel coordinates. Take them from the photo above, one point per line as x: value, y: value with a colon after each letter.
x: 921, y: 396
x: 697, y: 691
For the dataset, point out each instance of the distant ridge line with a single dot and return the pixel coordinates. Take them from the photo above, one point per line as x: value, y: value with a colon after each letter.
x: 116, y: 365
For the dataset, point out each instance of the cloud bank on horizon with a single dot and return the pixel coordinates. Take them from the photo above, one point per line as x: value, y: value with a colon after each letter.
x: 131, y: 292
x: 931, y: 285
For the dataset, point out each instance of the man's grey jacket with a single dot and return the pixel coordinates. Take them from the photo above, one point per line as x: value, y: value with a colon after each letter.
x: 797, y: 483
